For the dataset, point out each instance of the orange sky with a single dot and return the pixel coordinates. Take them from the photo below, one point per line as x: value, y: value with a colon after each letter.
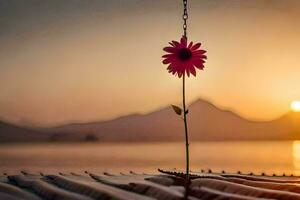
x: 92, y: 60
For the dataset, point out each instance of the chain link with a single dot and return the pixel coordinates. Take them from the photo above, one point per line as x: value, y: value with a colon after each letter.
x: 185, y: 17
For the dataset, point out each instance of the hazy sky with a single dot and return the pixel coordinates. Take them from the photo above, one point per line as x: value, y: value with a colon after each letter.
x: 87, y: 60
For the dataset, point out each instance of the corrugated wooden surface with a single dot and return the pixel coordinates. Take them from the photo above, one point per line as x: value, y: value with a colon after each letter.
x: 132, y: 186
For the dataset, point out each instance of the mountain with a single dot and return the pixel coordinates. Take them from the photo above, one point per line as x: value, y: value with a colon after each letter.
x: 206, y: 123
x: 13, y: 133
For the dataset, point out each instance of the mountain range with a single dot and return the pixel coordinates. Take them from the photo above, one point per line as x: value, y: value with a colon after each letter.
x: 206, y: 123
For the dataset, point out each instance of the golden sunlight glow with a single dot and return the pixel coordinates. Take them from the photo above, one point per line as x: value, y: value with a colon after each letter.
x: 296, y: 155
x: 295, y: 106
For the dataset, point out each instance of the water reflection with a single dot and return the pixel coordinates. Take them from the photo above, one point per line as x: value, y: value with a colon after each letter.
x: 258, y: 157
x: 296, y: 156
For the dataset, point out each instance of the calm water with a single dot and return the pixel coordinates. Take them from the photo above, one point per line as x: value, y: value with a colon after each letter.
x: 269, y: 157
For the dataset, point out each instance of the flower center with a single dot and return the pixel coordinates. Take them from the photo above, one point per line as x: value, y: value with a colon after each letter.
x: 184, y: 54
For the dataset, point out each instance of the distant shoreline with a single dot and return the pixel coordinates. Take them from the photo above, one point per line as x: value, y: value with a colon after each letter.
x: 140, y: 142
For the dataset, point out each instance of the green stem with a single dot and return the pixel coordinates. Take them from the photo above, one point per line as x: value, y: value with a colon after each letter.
x: 186, y: 134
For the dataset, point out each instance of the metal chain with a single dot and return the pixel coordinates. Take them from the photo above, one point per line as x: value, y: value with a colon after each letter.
x: 185, y: 17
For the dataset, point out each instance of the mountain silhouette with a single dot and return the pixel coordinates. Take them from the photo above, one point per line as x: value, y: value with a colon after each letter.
x: 13, y: 133
x: 206, y: 123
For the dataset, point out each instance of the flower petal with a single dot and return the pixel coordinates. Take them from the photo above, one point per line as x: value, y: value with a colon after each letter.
x: 188, y: 72
x: 190, y: 68
x: 190, y: 45
x: 167, y: 60
x: 200, y: 56
x: 170, y: 49
x: 167, y: 55
x: 171, y: 44
x: 199, y: 51
x: 175, y: 43
x: 196, y: 46
x: 199, y: 65
x: 183, y: 41
x: 180, y: 75
x: 193, y: 71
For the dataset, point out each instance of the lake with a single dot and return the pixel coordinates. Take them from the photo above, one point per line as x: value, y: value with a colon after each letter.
x: 268, y: 157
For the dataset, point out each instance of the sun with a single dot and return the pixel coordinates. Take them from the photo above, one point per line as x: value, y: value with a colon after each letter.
x: 295, y: 106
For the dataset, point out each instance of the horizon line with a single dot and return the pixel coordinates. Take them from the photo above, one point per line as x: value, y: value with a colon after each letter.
x: 33, y: 125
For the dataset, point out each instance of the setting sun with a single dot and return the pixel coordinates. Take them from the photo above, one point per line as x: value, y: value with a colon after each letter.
x: 295, y: 106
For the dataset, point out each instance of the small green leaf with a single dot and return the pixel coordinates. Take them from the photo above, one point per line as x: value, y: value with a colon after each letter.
x: 177, y: 110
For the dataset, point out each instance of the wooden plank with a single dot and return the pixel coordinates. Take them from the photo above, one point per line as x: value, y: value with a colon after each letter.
x: 5, y: 196
x: 262, y: 182
x: 205, y: 193
x: 161, y: 179
x: 264, y: 178
x: 119, y: 179
x: 245, y: 190
x: 292, y: 187
x: 94, y: 189
x: 44, y: 189
x: 138, y: 184
x: 16, y: 192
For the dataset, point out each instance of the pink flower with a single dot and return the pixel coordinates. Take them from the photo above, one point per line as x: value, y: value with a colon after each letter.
x: 184, y: 58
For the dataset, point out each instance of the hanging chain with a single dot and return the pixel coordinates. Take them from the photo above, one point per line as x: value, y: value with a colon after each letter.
x: 185, y: 17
